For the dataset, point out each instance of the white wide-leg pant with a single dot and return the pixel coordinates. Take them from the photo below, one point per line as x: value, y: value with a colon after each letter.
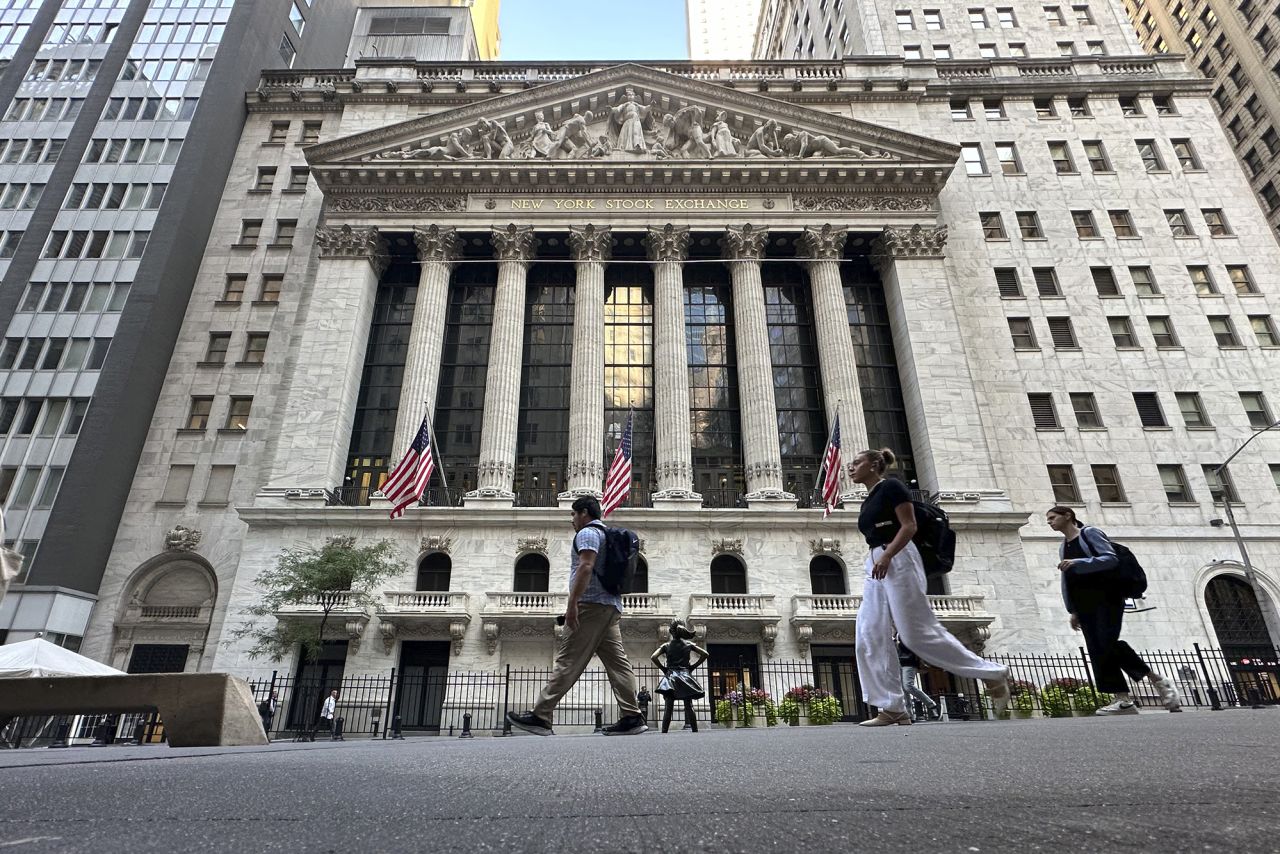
x: 899, y: 600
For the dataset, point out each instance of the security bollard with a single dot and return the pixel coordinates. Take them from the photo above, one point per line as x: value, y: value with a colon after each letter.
x: 395, y: 729
x: 599, y: 721
x: 466, y: 727
x: 337, y: 730
x: 64, y: 733
x: 962, y: 707
x: 942, y: 708
x: 140, y: 731
x: 1215, y: 702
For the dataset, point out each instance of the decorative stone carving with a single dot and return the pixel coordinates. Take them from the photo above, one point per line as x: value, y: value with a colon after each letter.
x: 685, y: 136
x: 850, y: 204
x: 437, y: 243
x: 823, y: 243
x: 344, y: 241
x: 585, y: 469
x: 541, y: 139
x: 396, y: 204
x: 765, y: 141
x: 667, y: 243
x: 457, y: 631
x: 355, y: 630
x: 745, y: 243
x: 723, y: 142
x: 491, y: 632
x: 572, y: 140
x: 436, y: 544
x: 914, y: 242
x: 824, y: 546
x: 769, y: 635
x: 388, y: 633
x: 801, y: 144
x: 496, y: 469
x: 532, y: 544
x: 724, y: 546
x: 182, y: 539
x: 640, y: 549
x: 627, y: 123
x: 514, y: 243
x: 493, y: 140
x: 804, y: 636
x: 590, y: 242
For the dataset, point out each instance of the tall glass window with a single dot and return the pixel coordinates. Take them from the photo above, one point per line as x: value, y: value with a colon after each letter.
x: 628, y: 371
x: 463, y: 362
x: 882, y: 405
x: 542, y: 446
x: 713, y: 386
x: 797, y: 381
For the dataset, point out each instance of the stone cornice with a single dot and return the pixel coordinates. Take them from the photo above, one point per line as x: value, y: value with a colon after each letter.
x: 437, y: 243
x: 744, y: 242
x: 590, y: 242
x: 823, y: 243
x: 514, y: 243
x: 667, y: 243
x: 358, y: 242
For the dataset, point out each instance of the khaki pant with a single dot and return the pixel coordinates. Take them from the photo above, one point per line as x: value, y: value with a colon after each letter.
x: 597, y: 634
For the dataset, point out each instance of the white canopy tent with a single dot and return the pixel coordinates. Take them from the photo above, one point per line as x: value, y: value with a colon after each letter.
x: 38, y: 657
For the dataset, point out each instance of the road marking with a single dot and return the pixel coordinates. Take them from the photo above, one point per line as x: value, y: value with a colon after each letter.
x: 28, y: 839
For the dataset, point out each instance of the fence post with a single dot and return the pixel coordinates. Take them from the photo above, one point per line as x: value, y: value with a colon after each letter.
x: 1088, y: 671
x: 506, y: 702
x: 392, y: 689
x: 1215, y: 703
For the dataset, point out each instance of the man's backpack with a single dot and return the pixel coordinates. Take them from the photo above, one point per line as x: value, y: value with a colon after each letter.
x: 934, y: 538
x: 1130, y: 577
x: 616, y: 563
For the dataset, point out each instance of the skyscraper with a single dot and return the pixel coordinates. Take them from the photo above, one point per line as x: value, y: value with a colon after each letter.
x: 721, y: 29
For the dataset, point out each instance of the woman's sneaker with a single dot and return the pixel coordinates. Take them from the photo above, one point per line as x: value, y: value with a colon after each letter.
x: 1119, y: 707
x: 530, y: 723
x: 1168, y: 693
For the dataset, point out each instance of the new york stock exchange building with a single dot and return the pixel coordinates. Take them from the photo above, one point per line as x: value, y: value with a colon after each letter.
x: 736, y: 254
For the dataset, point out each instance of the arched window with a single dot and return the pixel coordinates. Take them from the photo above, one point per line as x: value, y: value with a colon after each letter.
x: 728, y: 575
x: 640, y: 582
x: 1237, y: 618
x: 433, y: 572
x: 826, y: 576
x: 533, y: 574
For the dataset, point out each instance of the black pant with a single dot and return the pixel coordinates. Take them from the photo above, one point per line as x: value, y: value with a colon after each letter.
x: 1112, y: 658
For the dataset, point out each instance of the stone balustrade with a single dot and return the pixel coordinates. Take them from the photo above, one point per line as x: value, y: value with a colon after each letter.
x: 827, y: 607
x: 712, y: 605
x: 408, y: 602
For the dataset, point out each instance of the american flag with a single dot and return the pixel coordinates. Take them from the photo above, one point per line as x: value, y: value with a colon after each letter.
x: 829, y: 477
x: 409, y: 478
x: 617, y: 483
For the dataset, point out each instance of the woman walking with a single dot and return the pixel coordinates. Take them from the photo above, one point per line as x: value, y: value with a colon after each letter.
x: 894, y: 595
x: 1096, y: 605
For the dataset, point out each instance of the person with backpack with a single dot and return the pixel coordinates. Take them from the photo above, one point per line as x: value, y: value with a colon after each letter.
x: 591, y: 616
x: 893, y: 595
x: 1094, y: 590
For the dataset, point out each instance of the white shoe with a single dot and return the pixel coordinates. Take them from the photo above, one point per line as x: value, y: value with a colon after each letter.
x: 1119, y: 707
x: 1168, y: 693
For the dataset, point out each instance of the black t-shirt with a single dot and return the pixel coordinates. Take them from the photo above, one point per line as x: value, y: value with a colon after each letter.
x: 878, y: 521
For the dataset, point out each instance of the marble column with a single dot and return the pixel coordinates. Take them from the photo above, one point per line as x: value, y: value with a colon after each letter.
x: 314, y: 436
x: 668, y: 247
x: 591, y: 247
x: 761, y: 450
x: 952, y: 456
x: 824, y: 247
x: 513, y: 246
x: 438, y: 248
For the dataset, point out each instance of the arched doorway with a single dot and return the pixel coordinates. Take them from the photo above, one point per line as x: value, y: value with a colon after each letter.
x: 728, y: 575
x: 434, y: 571
x: 532, y: 575
x: 165, y: 615
x: 826, y: 577
x: 1242, y: 633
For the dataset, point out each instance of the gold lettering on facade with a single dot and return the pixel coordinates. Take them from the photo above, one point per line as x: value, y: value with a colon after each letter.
x: 636, y: 204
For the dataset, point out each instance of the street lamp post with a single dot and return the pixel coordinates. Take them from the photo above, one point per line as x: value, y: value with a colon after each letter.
x: 1264, y: 604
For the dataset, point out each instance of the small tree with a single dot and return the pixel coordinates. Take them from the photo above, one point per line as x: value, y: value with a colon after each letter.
x: 339, y: 571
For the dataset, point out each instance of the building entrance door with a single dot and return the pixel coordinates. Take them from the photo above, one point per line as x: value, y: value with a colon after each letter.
x: 420, y: 687
x: 731, y: 667
x: 835, y: 669
x: 314, y: 682
x: 158, y: 658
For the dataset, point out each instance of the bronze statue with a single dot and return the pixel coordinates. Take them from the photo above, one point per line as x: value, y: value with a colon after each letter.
x: 677, y: 682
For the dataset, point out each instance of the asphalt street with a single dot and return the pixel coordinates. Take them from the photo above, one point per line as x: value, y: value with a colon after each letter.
x: 1198, y: 781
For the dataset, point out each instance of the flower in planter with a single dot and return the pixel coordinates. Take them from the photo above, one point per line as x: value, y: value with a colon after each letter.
x: 1055, y: 701
x: 801, y: 694
x: 758, y: 696
x: 1067, y: 683
x: 1087, y: 700
x: 824, y: 710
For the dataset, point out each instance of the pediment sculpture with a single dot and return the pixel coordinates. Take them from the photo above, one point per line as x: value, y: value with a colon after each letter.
x: 631, y: 130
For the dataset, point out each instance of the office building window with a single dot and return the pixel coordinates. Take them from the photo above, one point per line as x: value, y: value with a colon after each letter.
x: 1063, y: 481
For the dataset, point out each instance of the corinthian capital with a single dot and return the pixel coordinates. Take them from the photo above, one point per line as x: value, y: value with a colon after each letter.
x: 744, y: 243
x: 823, y: 243
x: 436, y: 243
x: 590, y: 242
x: 514, y: 243
x: 914, y: 242
x: 343, y: 241
x: 668, y: 243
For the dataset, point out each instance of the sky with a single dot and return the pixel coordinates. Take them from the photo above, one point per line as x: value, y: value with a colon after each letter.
x: 592, y: 29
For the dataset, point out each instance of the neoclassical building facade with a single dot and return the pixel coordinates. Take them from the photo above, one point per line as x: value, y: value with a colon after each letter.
x: 974, y: 263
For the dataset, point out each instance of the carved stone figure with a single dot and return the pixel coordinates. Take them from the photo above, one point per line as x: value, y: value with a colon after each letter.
x: 429, y: 152
x: 685, y: 136
x: 181, y: 539
x: 541, y: 140
x: 572, y: 139
x: 804, y: 144
x: 627, y: 122
x: 723, y: 142
x: 494, y: 141
x: 764, y: 141
x: 601, y: 147
x: 458, y: 145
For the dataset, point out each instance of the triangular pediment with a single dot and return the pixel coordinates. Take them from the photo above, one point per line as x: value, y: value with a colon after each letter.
x: 629, y: 115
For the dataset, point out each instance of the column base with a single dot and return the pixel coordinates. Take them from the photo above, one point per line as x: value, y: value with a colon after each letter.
x: 489, y: 497
x: 676, y: 498
x: 566, y: 498
x: 771, y: 499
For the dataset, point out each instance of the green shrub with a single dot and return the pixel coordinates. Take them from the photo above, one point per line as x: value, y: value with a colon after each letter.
x: 1087, y: 700
x: 824, y: 710
x: 789, y: 711
x: 1024, y: 701
x: 1056, y: 702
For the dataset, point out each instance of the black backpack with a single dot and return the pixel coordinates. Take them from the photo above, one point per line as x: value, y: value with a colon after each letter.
x: 934, y: 538
x: 616, y: 563
x: 1131, y: 578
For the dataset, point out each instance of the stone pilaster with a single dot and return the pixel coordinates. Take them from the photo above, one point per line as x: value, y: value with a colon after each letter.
x: 761, y: 451
x: 591, y: 249
x: 824, y: 247
x: 438, y: 248
x: 938, y: 389
x: 514, y: 247
x: 314, y: 437
x: 668, y: 247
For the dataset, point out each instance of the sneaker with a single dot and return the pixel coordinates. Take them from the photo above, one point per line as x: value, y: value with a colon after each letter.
x: 630, y: 725
x: 889, y: 719
x: 998, y: 691
x: 529, y: 722
x: 1119, y: 707
x: 1168, y: 693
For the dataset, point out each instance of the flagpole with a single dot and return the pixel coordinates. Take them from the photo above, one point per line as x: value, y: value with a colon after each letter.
x: 431, y: 432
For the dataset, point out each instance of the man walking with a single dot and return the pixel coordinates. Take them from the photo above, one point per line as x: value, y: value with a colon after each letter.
x: 327, y: 712
x: 267, y: 711
x: 591, y: 617
x: 910, y: 664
